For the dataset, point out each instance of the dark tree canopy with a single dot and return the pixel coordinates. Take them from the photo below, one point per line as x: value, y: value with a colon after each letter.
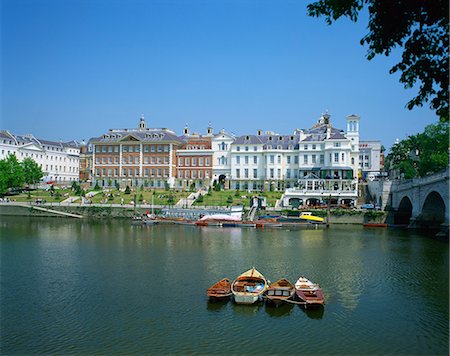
x: 420, y: 27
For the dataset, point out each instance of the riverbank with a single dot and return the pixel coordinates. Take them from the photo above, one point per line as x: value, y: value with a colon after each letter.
x: 104, y: 211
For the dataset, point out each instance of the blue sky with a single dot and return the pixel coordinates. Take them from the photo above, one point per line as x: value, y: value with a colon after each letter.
x: 72, y: 69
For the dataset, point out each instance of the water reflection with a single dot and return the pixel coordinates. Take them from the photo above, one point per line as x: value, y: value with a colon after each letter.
x: 246, y: 310
x: 313, y: 313
x: 278, y: 310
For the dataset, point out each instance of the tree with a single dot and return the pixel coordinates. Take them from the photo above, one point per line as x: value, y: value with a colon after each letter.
x: 11, y: 174
x: 421, y: 154
x: 32, y: 171
x: 420, y: 27
x: 127, y: 190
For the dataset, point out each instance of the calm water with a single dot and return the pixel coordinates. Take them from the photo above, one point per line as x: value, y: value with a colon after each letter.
x: 76, y: 287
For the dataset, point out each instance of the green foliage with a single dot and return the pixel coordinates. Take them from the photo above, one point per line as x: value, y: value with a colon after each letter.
x: 421, y: 154
x: 28, y: 195
x: 217, y: 186
x: 166, y: 186
x: 209, y: 192
x: 117, y: 185
x: 97, y: 187
x: 11, y: 174
x: 237, y: 193
x: 127, y: 190
x: 141, y: 198
x: 192, y: 187
x: 170, y: 200
x: 142, y: 187
x: 199, y: 199
x: 421, y: 28
x: 32, y: 172
x: 229, y: 199
x: 109, y: 182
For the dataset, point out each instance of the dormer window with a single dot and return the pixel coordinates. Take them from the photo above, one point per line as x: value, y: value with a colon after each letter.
x: 269, y: 147
x: 280, y: 147
x: 247, y: 138
x: 280, y: 138
x: 291, y: 147
x: 292, y: 138
x: 270, y: 138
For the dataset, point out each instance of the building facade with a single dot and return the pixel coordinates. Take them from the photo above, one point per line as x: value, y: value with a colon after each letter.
x: 194, y: 160
x: 371, y: 158
x: 58, y: 160
x: 136, y: 157
x: 221, y: 147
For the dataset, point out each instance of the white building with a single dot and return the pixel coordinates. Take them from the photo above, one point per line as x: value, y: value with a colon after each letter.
x: 221, y: 146
x: 369, y: 157
x: 58, y: 160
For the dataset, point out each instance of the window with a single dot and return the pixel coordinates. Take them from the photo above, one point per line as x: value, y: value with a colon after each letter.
x: 313, y: 159
x: 125, y: 149
x: 246, y: 159
x: 130, y: 149
x: 305, y: 159
x: 314, y: 146
x: 245, y: 173
x: 180, y: 161
x: 194, y: 161
x: 238, y: 160
x: 166, y: 148
x: 272, y: 159
x: 207, y: 161
x: 238, y: 148
x: 337, y: 144
x: 296, y: 159
x: 305, y: 147
x: 255, y: 148
x: 200, y: 161
x: 238, y: 173
x: 246, y: 148
x: 343, y: 157
x: 288, y: 173
x: 278, y: 173
x: 336, y: 157
x: 159, y: 148
x: 271, y: 173
x: 200, y: 174
x: 103, y: 149
x: 255, y: 173
x: 146, y: 172
x: 194, y: 174
x: 353, y: 160
x: 255, y: 159
x: 137, y: 149
x: 152, y: 148
x: 146, y: 149
x: 279, y: 159
x: 110, y: 149
x: 186, y: 161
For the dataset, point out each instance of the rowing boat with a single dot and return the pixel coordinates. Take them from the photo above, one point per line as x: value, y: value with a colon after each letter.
x: 309, y: 292
x: 280, y: 291
x: 249, y: 287
x: 221, y: 290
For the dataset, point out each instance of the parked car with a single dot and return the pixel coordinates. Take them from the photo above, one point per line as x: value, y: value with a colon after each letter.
x: 367, y: 206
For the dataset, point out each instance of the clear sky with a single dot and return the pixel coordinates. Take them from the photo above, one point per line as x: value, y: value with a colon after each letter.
x: 72, y: 69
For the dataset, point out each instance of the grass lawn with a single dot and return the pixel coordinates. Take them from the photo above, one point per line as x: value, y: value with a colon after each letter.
x: 238, y: 198
x: 161, y: 197
x: 42, y: 194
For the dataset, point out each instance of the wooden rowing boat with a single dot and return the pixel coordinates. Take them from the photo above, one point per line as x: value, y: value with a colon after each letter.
x: 249, y: 287
x: 309, y: 292
x: 280, y: 291
x: 221, y: 290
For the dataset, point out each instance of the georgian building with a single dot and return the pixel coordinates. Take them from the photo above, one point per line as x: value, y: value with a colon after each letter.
x: 195, y: 160
x: 328, y: 162
x: 58, y: 160
x: 135, y: 157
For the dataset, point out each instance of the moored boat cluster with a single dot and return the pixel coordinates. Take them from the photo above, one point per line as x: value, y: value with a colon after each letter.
x: 251, y: 286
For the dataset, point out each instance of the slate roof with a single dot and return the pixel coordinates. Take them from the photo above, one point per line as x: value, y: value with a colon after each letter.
x: 27, y: 139
x: 274, y: 140
x: 146, y: 135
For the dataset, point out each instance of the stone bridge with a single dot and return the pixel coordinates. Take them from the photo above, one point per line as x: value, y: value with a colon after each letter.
x: 419, y: 202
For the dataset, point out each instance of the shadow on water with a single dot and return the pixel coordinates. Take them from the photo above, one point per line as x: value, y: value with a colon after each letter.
x: 280, y: 310
x: 216, y: 305
x: 314, y: 312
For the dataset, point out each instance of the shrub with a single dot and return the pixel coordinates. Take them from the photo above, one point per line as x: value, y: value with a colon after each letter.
x: 141, y: 198
x: 97, y: 187
x: 229, y: 199
x: 199, y: 199
x: 127, y: 190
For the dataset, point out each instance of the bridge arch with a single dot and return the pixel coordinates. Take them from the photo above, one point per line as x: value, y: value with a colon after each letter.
x: 433, y: 210
x: 404, y: 212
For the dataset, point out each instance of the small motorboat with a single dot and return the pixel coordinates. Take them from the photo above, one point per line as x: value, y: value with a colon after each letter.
x: 309, y: 292
x: 249, y: 287
x: 221, y: 290
x: 310, y: 217
x: 280, y: 291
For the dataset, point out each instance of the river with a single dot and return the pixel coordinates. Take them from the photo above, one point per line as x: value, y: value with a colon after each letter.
x: 84, y: 287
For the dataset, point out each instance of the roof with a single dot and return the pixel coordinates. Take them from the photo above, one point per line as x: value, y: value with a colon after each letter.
x: 153, y: 135
x: 274, y: 140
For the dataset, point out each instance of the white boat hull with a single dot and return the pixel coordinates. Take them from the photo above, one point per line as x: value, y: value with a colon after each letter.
x: 246, y: 298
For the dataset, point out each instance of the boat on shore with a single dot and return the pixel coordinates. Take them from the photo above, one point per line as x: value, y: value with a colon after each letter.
x: 280, y: 291
x: 374, y: 225
x: 249, y: 287
x: 220, y: 291
x: 309, y: 292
